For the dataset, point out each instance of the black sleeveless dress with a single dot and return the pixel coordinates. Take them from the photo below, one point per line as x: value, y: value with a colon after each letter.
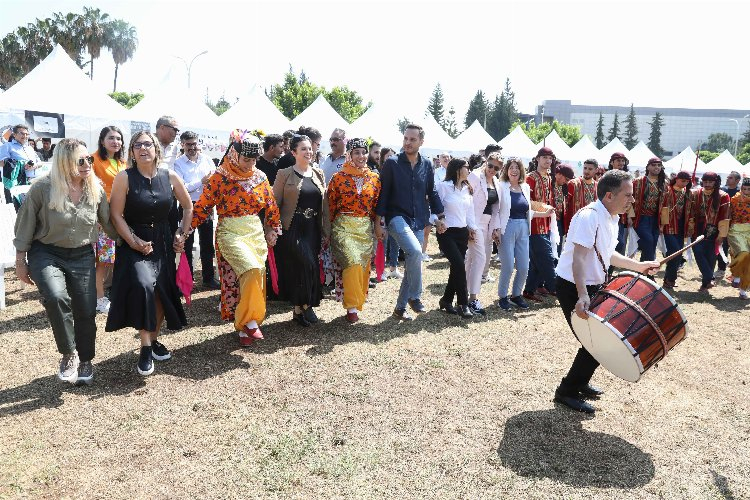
x: 138, y: 278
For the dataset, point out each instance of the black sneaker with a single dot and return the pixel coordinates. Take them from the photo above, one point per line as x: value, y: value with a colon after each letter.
x: 416, y: 305
x: 519, y: 302
x: 504, y: 304
x: 159, y: 351
x: 85, y: 373
x: 69, y: 368
x: 310, y: 315
x: 476, y: 307
x: 401, y: 314
x: 145, y: 362
x: 212, y: 284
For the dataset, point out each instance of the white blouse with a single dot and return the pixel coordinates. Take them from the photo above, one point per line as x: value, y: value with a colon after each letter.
x: 458, y: 205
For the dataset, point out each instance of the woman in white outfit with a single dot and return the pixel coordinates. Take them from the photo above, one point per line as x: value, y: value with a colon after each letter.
x: 486, y: 187
x: 513, y: 233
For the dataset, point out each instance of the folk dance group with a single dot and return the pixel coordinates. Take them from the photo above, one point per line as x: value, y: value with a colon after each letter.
x: 89, y: 205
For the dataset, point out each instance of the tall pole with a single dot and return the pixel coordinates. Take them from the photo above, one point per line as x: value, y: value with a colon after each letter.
x: 189, y: 67
x: 736, y: 135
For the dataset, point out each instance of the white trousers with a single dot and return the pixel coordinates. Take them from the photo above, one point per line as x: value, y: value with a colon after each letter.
x: 478, y: 255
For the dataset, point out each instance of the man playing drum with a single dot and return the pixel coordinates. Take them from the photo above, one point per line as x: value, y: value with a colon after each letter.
x: 588, y: 252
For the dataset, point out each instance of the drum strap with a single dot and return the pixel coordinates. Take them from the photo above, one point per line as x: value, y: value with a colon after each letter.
x: 607, y: 277
x: 644, y: 314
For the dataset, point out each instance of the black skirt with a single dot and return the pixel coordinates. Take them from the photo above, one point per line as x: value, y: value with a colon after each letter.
x: 297, y: 252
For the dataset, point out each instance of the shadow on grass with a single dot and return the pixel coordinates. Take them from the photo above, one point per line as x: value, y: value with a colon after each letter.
x: 552, y: 444
x: 722, y: 484
x: 117, y: 376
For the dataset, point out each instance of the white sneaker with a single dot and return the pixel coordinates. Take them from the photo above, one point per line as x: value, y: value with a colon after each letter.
x: 395, y: 274
x: 487, y: 279
x: 426, y: 258
x: 102, y: 305
x: 744, y: 295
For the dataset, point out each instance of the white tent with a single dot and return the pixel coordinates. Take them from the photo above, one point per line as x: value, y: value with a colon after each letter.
x: 557, y: 145
x: 684, y: 161
x: 379, y: 123
x: 255, y: 111
x: 321, y: 115
x: 56, y: 99
x: 583, y: 150
x: 436, y: 140
x: 724, y: 163
x: 517, y: 143
x: 614, y: 146
x: 473, y: 139
x: 639, y: 156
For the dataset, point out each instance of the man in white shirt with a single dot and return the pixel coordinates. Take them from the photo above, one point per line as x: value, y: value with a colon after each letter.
x: 337, y: 156
x: 166, y: 132
x: 588, y: 252
x: 194, y: 168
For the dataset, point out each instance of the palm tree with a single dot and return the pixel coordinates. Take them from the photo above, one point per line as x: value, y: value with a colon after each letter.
x: 122, y: 40
x: 94, y: 23
x: 11, y: 53
x: 67, y: 30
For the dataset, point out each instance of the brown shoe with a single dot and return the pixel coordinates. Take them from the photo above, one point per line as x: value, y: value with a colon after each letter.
x: 532, y: 297
x: 352, y: 317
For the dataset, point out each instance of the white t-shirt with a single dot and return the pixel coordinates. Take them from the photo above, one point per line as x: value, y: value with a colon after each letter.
x: 591, y: 222
x: 458, y: 205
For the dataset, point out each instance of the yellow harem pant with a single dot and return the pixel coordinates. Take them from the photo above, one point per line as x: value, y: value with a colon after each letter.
x: 739, y: 246
x: 351, y: 245
x: 242, y: 243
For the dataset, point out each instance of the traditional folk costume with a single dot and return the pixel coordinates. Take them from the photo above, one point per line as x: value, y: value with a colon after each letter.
x: 241, y: 247
x: 709, y: 217
x: 352, y: 196
x: 648, y: 195
x: 674, y: 215
x: 739, y: 239
x: 581, y: 192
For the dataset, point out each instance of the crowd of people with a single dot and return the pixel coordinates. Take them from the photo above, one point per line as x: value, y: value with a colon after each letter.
x: 291, y: 225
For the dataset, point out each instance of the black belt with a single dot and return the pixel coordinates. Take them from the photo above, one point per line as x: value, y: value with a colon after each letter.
x: 307, y: 213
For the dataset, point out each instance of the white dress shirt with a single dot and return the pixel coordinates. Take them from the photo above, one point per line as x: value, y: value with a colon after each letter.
x: 439, y: 174
x: 193, y: 172
x: 169, y: 154
x: 591, y: 222
x: 458, y: 205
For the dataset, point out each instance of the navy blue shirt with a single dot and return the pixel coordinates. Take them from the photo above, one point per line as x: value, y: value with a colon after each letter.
x: 405, y: 191
x: 519, y: 206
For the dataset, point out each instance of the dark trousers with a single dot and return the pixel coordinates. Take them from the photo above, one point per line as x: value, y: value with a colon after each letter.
x: 206, y: 238
x: 622, y: 238
x: 705, y: 257
x: 453, y: 243
x: 541, y: 263
x: 66, y: 278
x: 648, y: 236
x: 720, y: 264
x: 673, y: 242
x: 561, y: 232
x: 584, y: 364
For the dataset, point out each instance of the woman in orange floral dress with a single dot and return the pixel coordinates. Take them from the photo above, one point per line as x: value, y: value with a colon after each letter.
x: 352, y: 195
x: 239, y: 191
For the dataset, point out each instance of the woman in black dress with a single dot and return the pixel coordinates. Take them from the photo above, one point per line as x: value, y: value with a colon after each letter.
x: 300, y: 194
x: 144, y: 291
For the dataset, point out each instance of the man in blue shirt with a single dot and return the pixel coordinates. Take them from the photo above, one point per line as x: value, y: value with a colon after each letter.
x: 407, y: 184
x: 20, y: 160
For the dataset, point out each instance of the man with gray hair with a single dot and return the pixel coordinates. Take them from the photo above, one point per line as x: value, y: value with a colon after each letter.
x: 588, y: 252
x: 166, y: 132
x: 336, y: 158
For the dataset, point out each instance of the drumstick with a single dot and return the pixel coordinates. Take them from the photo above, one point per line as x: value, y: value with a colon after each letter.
x: 681, y: 251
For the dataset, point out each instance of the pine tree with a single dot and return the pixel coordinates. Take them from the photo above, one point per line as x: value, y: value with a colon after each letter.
x: 450, y: 124
x: 599, y: 139
x: 478, y: 110
x: 435, y: 107
x: 744, y: 138
x: 631, y: 130
x: 654, y: 138
x: 503, y: 113
x: 615, y: 130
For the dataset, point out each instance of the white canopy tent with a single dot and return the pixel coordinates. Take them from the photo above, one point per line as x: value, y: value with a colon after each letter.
x: 614, y: 146
x: 517, y: 143
x: 639, y: 156
x: 473, y: 139
x: 321, y: 115
x: 684, y: 161
x: 557, y: 145
x: 255, y: 111
x: 583, y: 150
x: 379, y: 123
x: 724, y: 163
x: 56, y: 99
x: 436, y: 140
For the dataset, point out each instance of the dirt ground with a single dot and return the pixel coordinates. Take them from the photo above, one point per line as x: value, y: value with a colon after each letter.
x: 439, y: 407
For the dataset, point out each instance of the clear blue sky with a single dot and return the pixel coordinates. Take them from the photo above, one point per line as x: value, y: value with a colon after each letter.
x: 394, y: 52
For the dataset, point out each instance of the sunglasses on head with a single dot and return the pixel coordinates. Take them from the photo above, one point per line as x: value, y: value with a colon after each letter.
x: 87, y: 159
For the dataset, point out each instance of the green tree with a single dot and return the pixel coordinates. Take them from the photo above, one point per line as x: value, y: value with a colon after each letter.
x: 68, y: 31
x: 435, y: 106
x: 503, y: 113
x: 707, y: 156
x: 402, y: 123
x: 94, y: 25
x: 744, y: 138
x: 346, y: 102
x: 571, y: 134
x: 450, y: 124
x: 654, y: 138
x: 220, y: 107
x: 126, y: 99
x: 743, y: 155
x: 295, y: 94
x: 122, y: 41
x: 631, y: 130
x: 478, y: 110
x: 718, y: 142
x: 599, y: 139
x: 615, y: 130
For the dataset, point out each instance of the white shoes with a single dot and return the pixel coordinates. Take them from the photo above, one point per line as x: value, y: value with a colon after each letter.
x: 102, y: 305
x: 488, y: 279
x: 426, y: 258
x: 744, y: 295
x: 394, y: 274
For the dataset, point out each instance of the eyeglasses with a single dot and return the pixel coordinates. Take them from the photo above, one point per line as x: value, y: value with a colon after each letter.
x: 87, y: 159
x: 141, y: 145
x: 334, y: 139
x: 176, y: 130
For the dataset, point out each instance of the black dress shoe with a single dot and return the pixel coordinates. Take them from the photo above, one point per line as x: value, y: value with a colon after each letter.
x: 310, y: 315
x: 465, y: 312
x: 212, y: 284
x: 417, y: 306
x: 447, y: 307
x: 573, y: 402
x: 589, y: 391
x: 300, y: 319
x: 401, y: 315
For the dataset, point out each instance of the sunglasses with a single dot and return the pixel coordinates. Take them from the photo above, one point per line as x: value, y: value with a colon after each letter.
x: 334, y: 139
x: 141, y: 145
x: 88, y: 159
x: 496, y: 168
x: 176, y: 130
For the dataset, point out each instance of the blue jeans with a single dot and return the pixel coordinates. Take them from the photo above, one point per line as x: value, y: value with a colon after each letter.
x: 391, y: 258
x: 541, y: 263
x: 409, y: 238
x: 514, y: 252
x: 673, y: 243
x: 648, y: 235
x: 705, y: 257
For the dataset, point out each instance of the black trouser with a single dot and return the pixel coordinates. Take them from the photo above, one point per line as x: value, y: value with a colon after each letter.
x: 584, y: 364
x: 720, y: 264
x: 453, y: 243
x: 206, y: 233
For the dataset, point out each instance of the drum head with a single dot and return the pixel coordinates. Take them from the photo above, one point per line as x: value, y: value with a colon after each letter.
x: 607, y: 347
